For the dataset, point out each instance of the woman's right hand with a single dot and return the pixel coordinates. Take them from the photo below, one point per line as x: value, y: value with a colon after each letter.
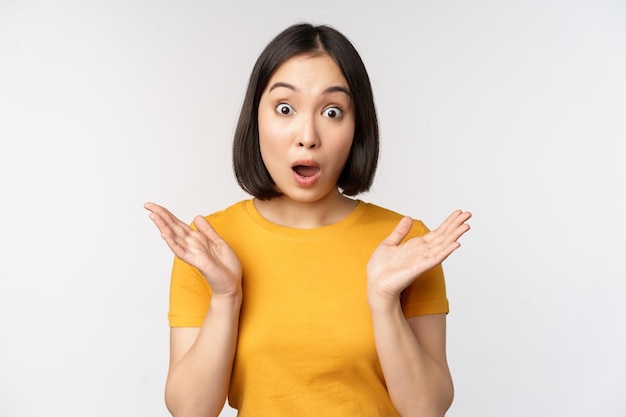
x: 202, y: 248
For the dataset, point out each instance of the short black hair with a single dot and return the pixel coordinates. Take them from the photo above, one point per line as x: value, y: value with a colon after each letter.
x: 305, y: 39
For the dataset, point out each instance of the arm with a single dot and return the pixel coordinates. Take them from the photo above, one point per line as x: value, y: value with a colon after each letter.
x: 412, y: 352
x: 201, y: 359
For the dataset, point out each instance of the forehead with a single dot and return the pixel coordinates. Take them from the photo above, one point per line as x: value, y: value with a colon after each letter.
x: 309, y: 69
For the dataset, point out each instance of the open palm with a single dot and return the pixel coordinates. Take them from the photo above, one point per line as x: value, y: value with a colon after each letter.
x: 202, y: 248
x: 394, y: 265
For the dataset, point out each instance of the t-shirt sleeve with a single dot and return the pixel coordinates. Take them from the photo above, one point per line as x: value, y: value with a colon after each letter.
x: 427, y: 294
x: 190, y: 295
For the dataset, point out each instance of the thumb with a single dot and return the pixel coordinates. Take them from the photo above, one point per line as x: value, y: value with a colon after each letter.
x: 205, y: 228
x: 400, y: 232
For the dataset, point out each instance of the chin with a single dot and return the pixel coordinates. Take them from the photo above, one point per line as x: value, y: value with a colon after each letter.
x: 312, y: 196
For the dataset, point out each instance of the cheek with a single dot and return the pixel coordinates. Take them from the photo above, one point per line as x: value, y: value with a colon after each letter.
x: 270, y: 147
x: 267, y: 138
x: 271, y: 129
x: 344, y: 141
x: 265, y: 135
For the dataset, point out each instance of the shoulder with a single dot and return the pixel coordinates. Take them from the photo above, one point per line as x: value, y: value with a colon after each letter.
x: 380, y: 217
x: 229, y: 214
x: 231, y: 217
x: 234, y: 224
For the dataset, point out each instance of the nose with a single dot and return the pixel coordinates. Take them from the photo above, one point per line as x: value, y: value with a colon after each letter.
x: 308, y: 137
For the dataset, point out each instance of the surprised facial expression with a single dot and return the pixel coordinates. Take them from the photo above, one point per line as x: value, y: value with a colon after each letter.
x: 306, y: 127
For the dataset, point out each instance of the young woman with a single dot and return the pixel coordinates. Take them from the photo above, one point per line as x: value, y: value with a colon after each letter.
x: 303, y: 301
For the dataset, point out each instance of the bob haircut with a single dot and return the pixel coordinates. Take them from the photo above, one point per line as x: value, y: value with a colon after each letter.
x: 306, y: 39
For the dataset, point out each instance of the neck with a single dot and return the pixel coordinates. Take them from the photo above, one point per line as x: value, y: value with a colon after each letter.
x: 288, y: 212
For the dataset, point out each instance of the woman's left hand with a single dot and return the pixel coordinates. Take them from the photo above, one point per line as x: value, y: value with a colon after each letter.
x: 394, y: 265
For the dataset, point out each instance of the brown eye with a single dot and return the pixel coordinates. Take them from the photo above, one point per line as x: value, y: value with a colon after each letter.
x: 285, y: 109
x: 332, y: 113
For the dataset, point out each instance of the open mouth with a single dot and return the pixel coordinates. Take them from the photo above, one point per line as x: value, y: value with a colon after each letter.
x: 305, y: 171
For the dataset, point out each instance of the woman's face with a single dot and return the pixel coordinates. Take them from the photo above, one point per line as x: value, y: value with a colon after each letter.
x: 306, y: 127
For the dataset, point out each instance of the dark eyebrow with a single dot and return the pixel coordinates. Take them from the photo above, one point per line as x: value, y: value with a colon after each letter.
x: 333, y: 89
x: 338, y: 88
x: 281, y: 84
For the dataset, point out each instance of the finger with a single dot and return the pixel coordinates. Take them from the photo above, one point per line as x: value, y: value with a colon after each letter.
x: 456, y: 234
x: 178, y: 249
x: 150, y: 206
x: 171, y: 242
x: 458, y: 225
x: 462, y: 217
x: 443, y: 240
x: 443, y: 254
x: 175, y: 232
x: 401, y: 230
x: 452, y: 222
x: 160, y: 210
x: 205, y: 228
x: 166, y: 222
x: 167, y: 233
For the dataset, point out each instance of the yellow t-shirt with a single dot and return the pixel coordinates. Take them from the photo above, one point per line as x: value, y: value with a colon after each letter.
x: 306, y: 343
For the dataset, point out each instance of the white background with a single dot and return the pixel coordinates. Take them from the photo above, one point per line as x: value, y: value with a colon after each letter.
x: 514, y: 110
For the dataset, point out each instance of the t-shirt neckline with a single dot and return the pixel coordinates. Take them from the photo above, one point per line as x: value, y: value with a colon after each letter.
x: 322, y: 231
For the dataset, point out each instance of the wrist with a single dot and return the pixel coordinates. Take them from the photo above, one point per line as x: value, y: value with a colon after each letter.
x: 230, y: 299
x: 382, y: 302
